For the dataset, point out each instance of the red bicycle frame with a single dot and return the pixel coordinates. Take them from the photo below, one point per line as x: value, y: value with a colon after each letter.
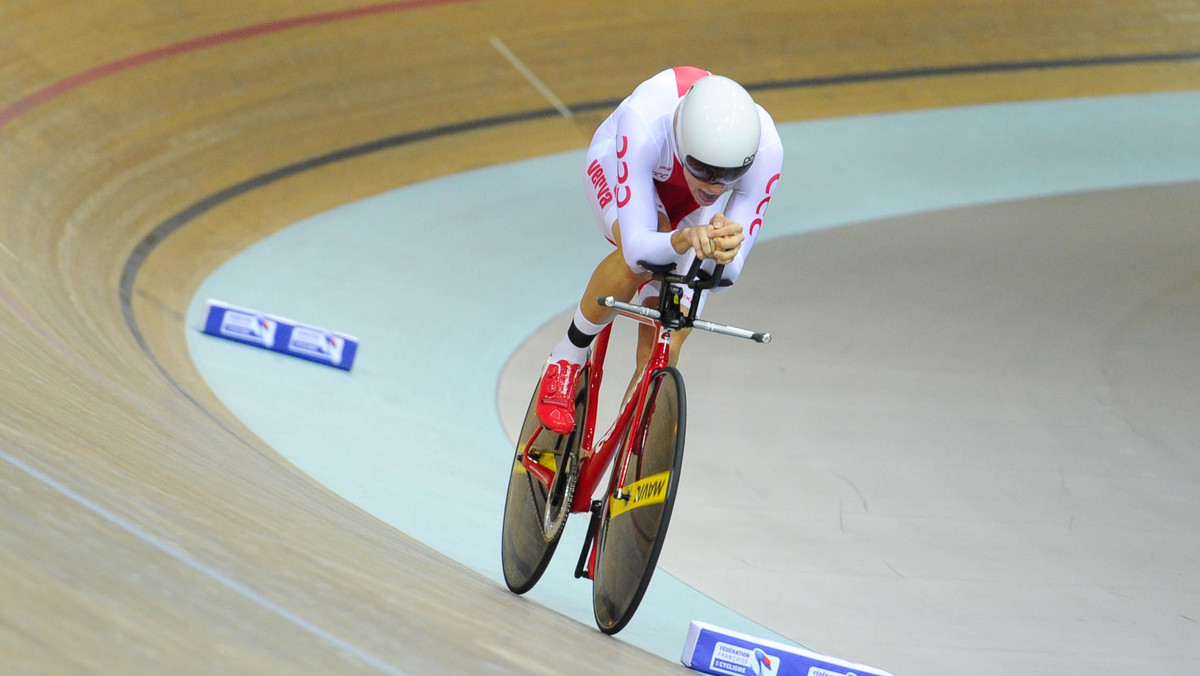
x: 595, y: 458
x: 594, y: 461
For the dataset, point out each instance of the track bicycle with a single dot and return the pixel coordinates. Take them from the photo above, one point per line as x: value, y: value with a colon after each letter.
x: 554, y: 475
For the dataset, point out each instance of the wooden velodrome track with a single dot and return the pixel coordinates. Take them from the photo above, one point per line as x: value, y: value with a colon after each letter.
x: 143, y: 528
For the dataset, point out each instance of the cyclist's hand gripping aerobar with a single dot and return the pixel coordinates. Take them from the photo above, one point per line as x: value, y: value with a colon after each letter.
x: 721, y: 240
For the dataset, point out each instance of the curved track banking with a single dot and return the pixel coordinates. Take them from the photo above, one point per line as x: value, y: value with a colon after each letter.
x: 145, y: 528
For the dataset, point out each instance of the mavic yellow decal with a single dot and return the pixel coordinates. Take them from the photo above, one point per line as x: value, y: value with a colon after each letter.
x: 649, y: 491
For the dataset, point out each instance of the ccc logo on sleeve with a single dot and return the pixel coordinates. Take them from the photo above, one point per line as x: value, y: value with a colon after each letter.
x: 623, y: 192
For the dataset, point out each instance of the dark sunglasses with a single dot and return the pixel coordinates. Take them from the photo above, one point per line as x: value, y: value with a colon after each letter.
x: 710, y: 174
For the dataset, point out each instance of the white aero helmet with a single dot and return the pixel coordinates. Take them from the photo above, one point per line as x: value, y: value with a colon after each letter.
x: 717, y: 130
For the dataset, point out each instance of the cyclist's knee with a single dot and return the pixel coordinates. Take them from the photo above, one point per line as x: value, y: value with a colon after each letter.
x: 618, y: 270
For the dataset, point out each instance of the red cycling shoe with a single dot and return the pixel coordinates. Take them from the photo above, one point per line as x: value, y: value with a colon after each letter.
x: 556, y: 396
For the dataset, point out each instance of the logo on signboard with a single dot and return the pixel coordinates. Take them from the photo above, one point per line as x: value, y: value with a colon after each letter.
x: 315, y: 343
x: 738, y: 661
x: 250, y: 327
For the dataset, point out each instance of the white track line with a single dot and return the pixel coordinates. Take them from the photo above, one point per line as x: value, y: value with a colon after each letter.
x: 201, y: 567
x: 533, y: 79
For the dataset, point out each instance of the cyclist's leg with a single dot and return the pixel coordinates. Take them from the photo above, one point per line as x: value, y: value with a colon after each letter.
x: 612, y: 277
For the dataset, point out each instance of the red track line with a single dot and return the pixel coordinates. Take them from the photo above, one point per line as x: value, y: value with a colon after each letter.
x: 15, y: 110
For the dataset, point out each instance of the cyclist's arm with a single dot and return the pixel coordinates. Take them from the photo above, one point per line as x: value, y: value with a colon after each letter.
x: 748, y: 203
x: 637, y: 211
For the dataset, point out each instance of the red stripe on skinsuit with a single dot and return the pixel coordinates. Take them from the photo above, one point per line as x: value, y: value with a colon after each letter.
x: 686, y: 76
x: 676, y: 196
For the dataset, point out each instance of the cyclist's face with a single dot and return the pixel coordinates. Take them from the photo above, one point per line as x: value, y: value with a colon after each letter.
x: 705, y: 194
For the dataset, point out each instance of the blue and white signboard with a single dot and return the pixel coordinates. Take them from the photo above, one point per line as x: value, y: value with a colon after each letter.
x: 713, y: 650
x: 280, y: 335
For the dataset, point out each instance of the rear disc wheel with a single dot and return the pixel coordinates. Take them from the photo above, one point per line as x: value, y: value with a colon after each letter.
x: 535, y: 511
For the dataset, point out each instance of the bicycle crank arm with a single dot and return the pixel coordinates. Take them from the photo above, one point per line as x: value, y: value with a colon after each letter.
x: 586, y: 565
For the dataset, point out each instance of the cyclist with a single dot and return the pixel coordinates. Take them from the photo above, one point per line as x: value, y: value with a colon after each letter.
x: 657, y: 174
